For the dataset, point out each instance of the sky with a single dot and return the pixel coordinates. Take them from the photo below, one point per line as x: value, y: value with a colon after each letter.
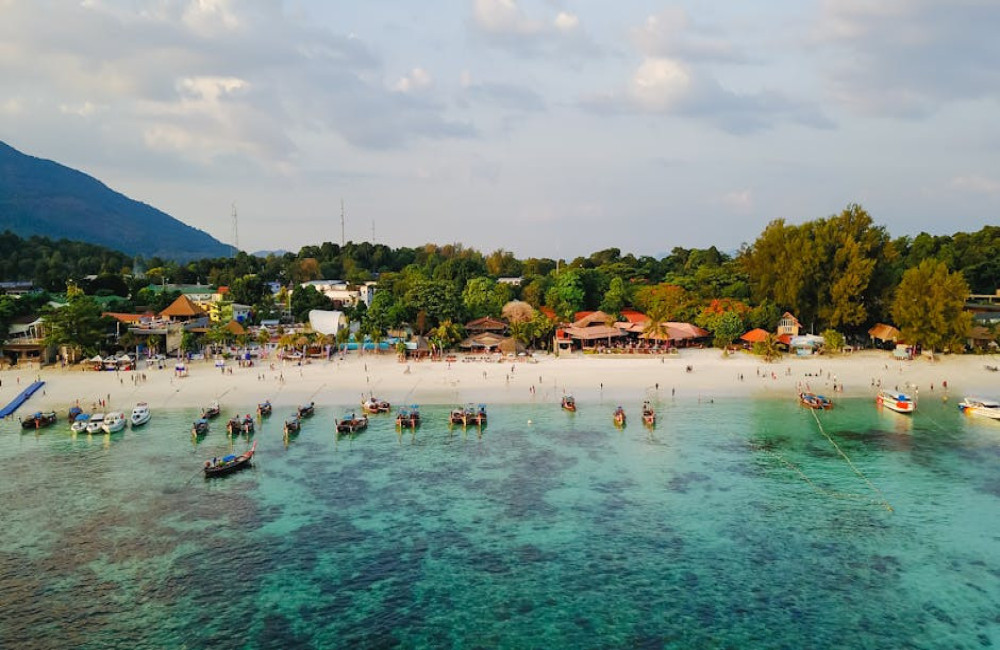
x: 548, y: 128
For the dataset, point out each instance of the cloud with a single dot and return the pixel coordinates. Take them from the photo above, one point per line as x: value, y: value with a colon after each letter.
x: 672, y: 33
x: 677, y: 75
x: 206, y: 79
x: 501, y: 95
x: 505, y: 25
x: 976, y: 184
x: 416, y: 80
x: 909, y: 58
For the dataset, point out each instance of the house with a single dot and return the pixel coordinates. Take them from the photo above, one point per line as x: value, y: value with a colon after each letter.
x: 788, y: 325
x: 26, y: 340
x: 341, y: 293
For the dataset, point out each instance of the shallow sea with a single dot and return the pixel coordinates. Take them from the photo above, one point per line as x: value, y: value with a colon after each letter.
x: 733, y: 524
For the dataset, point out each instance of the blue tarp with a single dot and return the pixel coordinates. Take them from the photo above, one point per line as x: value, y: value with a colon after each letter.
x: 21, y: 399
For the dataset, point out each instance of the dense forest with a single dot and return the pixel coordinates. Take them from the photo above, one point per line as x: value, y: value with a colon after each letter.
x: 842, y: 272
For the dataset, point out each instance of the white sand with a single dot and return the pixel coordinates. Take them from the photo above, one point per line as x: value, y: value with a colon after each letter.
x: 627, y: 379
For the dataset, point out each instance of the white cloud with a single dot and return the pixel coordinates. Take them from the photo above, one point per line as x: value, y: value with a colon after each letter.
x: 977, y: 184
x: 909, y: 58
x: 206, y: 78
x: 566, y: 22
x: 738, y: 200
x: 660, y: 84
x: 503, y: 17
x: 672, y: 33
x: 416, y: 80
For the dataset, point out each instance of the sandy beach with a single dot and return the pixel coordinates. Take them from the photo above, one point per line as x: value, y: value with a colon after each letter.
x: 543, y: 379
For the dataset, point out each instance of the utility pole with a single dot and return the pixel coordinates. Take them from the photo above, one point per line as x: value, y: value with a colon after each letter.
x: 236, y: 232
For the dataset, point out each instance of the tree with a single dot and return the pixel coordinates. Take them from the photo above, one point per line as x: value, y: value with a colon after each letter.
x: 928, y: 308
x: 77, y: 324
x: 248, y: 290
x: 484, y: 296
x: 438, y: 300
x: 768, y: 348
x: 616, y: 298
x: 307, y: 298
x: 566, y: 295
x: 726, y: 327
x: 833, y: 341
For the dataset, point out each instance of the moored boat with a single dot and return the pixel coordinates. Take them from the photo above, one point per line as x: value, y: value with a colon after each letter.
x: 307, y: 411
x: 408, y: 418
x: 896, y: 401
x: 39, y: 420
x: 373, y: 405
x: 80, y: 423
x: 987, y: 408
x: 264, y: 409
x: 73, y: 412
x: 200, y: 427
x: 229, y: 464
x: 212, y: 411
x: 352, y: 423
x: 140, y: 415
x: 114, y: 422
x: 568, y: 403
x: 814, y: 401
x: 619, y: 417
x: 293, y: 425
x: 96, y: 423
x: 648, y: 414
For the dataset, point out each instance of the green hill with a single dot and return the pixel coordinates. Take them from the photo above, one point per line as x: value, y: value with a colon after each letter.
x: 42, y: 197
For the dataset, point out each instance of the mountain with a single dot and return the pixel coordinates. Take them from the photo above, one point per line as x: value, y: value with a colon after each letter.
x: 42, y: 197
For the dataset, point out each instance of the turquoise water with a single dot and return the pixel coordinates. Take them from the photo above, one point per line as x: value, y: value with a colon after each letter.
x: 734, y: 524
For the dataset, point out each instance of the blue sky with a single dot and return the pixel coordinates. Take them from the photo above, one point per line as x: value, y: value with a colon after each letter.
x: 543, y: 127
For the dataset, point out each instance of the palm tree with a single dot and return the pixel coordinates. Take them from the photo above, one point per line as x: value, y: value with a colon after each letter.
x: 656, y: 327
x: 768, y: 348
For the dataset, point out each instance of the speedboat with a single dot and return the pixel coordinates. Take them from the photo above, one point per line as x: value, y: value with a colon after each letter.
x: 96, y: 424
x: 896, y: 401
x: 140, y: 415
x: 80, y: 423
x: 987, y: 408
x: 113, y: 422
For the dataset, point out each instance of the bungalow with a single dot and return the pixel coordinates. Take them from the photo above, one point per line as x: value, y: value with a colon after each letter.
x: 588, y: 331
x: 485, y: 324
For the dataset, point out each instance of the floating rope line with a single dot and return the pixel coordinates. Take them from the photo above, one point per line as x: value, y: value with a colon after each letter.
x: 882, y: 500
x: 833, y: 494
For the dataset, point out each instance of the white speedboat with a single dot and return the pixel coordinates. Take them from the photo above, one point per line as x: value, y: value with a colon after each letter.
x: 96, y: 423
x: 987, y: 408
x: 140, y: 415
x: 114, y: 422
x: 896, y: 401
x: 80, y: 423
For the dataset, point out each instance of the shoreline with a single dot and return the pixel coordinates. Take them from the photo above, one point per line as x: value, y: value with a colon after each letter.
x: 545, y: 379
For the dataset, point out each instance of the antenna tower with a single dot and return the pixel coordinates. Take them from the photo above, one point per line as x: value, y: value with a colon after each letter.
x: 236, y: 232
x: 342, y: 240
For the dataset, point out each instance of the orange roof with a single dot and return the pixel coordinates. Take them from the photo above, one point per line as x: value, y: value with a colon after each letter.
x: 235, y: 328
x: 785, y: 339
x: 549, y: 312
x: 580, y: 315
x: 222, y: 290
x: 633, y: 316
x: 128, y: 318
x: 183, y: 307
x: 755, y: 336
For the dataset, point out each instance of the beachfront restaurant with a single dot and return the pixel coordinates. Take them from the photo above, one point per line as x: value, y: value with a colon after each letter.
x: 591, y: 332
